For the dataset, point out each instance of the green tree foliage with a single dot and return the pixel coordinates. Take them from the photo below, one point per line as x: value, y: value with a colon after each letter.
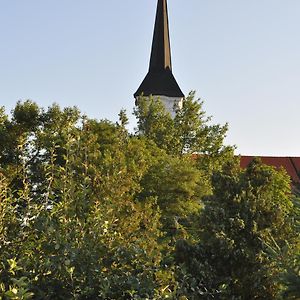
x: 177, y: 185
x: 194, y: 150
x: 247, y: 215
x: 188, y: 132
x: 291, y: 263
x: 90, y: 211
x: 72, y: 224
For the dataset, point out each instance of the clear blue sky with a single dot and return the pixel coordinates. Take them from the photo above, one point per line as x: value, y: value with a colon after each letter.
x: 242, y: 58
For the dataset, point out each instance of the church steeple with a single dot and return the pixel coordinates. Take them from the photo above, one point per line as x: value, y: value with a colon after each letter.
x: 159, y: 80
x: 161, y: 50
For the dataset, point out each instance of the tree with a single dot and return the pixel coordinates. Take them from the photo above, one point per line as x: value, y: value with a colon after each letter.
x: 189, y: 132
x: 74, y: 229
x: 91, y: 211
x: 193, y: 151
x: 178, y: 186
x: 248, y: 212
x: 291, y: 263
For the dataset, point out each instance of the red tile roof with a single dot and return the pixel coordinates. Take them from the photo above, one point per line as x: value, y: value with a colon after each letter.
x: 296, y: 163
x: 290, y: 164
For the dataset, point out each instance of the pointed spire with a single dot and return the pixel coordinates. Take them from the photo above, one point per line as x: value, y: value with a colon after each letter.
x: 161, y: 50
x: 160, y: 81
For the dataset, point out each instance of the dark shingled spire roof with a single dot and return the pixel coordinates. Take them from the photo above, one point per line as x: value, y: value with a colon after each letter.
x: 160, y: 80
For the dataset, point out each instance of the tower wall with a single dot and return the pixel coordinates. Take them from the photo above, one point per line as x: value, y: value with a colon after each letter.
x: 171, y: 103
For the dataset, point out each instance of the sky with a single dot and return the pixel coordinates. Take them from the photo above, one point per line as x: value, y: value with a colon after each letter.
x: 241, y: 57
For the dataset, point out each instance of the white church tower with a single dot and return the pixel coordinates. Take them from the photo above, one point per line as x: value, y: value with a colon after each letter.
x: 159, y: 81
